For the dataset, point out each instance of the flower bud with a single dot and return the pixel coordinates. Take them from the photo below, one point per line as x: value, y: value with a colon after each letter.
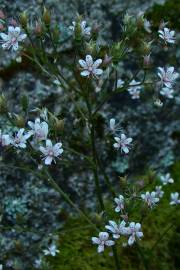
x: 46, y: 17
x: 38, y: 29
x: 56, y: 34
x: 2, y: 15
x: 59, y: 124
x: 3, y: 104
x: 1, y: 27
x: 147, y: 61
x: 118, y: 50
x: 107, y: 60
x: 13, y: 22
x: 146, y: 48
x: 140, y: 20
x: 23, y: 19
x: 24, y: 102
x: 78, y: 30
x: 91, y: 48
x: 19, y: 121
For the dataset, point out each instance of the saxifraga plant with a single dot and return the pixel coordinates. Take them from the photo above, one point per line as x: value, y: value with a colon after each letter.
x: 86, y: 73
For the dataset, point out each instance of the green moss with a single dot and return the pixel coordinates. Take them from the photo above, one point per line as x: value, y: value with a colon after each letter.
x: 77, y: 252
x: 168, y: 12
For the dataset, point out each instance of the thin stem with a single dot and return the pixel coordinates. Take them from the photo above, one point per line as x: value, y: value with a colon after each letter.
x: 92, y: 139
x: 108, y: 183
x: 95, y: 171
x: 144, y: 260
x: 116, y: 259
x: 162, y: 236
x: 67, y: 199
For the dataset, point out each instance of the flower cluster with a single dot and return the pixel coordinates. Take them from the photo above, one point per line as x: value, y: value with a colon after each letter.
x: 39, y: 131
x: 131, y: 230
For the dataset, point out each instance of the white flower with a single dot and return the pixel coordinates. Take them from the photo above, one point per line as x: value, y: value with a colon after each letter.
x: 12, y: 38
x: 20, y: 138
x: 113, y: 126
x: 158, y: 103
x: 1, y: 267
x: 102, y: 240
x: 150, y: 198
x: 167, y: 92
x: 159, y: 191
x: 134, y: 89
x: 51, y: 250
x: 51, y: 151
x: 44, y: 114
x: 120, y: 203
x: 57, y: 82
x: 89, y: 67
x: 116, y: 229
x: 167, y: 35
x: 123, y: 142
x: 120, y: 83
x: 134, y: 230
x: 175, y: 198
x: 165, y: 179
x: 85, y: 30
x: 147, y: 26
x: 39, y: 129
x: 38, y: 263
x: 4, y: 139
x: 167, y: 76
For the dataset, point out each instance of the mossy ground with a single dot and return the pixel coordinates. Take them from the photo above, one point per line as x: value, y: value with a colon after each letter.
x: 78, y: 253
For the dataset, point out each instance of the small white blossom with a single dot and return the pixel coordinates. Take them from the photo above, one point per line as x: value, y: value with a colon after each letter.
x: 51, y: 250
x: 165, y: 179
x: 167, y: 35
x: 90, y: 67
x: 37, y: 263
x: 12, y: 38
x: 39, y: 129
x: 150, y: 198
x: 57, y: 82
x: 159, y: 191
x: 113, y: 126
x: 167, y: 92
x: 123, y: 142
x: 85, y: 30
x: 20, y: 138
x: 134, y: 89
x: 158, y: 103
x: 44, y: 114
x: 134, y: 230
x: 51, y: 151
x: 102, y: 241
x: 168, y: 76
x: 120, y: 203
x: 1, y: 267
x: 120, y: 83
x: 147, y: 26
x: 116, y: 229
x: 5, y: 139
x: 174, y: 198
